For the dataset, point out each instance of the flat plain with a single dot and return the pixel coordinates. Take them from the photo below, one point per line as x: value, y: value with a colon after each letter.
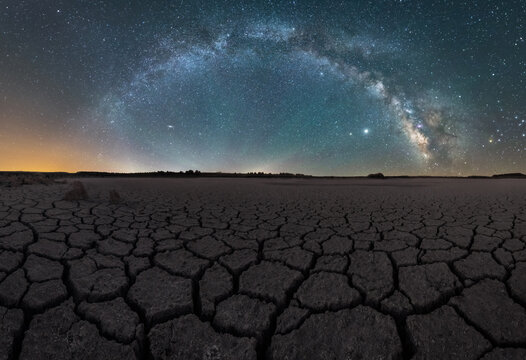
x: 265, y: 269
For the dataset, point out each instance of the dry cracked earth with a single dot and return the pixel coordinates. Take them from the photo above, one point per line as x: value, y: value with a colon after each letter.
x: 265, y: 269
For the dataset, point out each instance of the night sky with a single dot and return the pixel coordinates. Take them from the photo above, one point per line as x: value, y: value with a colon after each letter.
x: 323, y: 88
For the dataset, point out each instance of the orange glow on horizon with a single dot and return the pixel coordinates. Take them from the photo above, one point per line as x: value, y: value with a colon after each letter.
x: 21, y: 151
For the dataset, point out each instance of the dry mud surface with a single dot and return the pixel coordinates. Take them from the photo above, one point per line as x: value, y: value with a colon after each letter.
x: 215, y: 269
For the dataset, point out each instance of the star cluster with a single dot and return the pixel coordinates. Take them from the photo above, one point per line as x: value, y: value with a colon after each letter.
x: 333, y: 88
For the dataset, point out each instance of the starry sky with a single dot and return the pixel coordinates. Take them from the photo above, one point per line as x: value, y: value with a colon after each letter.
x: 314, y: 87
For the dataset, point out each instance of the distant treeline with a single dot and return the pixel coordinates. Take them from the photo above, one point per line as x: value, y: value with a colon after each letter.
x: 189, y: 173
x: 23, y: 176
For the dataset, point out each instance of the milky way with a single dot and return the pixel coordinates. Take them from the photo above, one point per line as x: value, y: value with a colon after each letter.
x: 209, y: 103
x: 397, y: 87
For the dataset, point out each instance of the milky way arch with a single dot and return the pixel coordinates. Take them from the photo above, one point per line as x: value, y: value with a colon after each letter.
x: 190, y: 100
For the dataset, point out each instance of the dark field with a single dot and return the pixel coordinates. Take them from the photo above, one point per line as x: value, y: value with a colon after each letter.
x: 264, y: 269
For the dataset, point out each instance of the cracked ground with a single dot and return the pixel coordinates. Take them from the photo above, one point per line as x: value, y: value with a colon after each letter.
x: 265, y: 269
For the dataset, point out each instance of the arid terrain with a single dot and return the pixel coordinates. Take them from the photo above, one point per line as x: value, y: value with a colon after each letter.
x: 264, y: 269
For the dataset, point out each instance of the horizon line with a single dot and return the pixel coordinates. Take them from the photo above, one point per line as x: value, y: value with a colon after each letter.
x: 198, y: 173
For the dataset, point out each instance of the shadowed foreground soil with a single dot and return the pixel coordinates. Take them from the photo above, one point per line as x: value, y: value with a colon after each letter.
x: 264, y: 269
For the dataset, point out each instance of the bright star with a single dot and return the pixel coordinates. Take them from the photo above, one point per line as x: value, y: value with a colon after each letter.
x: 366, y: 131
